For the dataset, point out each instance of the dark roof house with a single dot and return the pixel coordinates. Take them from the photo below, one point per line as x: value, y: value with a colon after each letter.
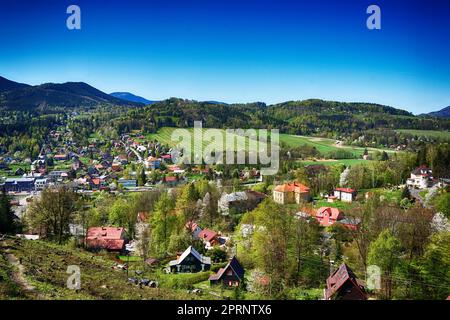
x: 344, y: 285
x: 231, y: 275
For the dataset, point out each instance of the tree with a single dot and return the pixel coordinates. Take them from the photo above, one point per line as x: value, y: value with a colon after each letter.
x: 434, y: 267
x: 384, y: 252
x: 271, y: 241
x: 6, y: 214
x: 143, y: 238
x: 442, y: 204
x: 163, y: 222
x: 51, y: 214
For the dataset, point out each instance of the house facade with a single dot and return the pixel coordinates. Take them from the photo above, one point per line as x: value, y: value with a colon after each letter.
x: 345, y: 194
x: 232, y: 275
x: 19, y: 184
x: 291, y: 193
x: 421, y: 178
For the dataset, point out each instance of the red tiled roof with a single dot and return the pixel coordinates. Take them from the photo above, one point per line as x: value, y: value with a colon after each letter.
x: 207, y: 234
x: 292, y: 187
x: 346, y: 190
x: 333, y: 213
x: 96, y: 181
x: 110, y: 238
x: 170, y: 179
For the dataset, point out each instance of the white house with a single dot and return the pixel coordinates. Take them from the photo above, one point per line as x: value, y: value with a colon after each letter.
x: 421, y: 177
x: 345, y: 194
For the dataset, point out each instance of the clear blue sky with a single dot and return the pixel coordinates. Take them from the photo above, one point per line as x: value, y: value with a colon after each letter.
x: 236, y: 51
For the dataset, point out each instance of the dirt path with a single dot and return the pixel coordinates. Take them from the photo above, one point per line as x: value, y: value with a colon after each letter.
x: 19, y: 275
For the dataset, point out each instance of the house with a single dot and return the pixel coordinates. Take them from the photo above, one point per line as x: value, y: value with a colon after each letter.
x: 39, y: 184
x: 106, y: 238
x: 291, y: 193
x: 116, y: 166
x: 345, y: 194
x: 239, y: 202
x: 190, y: 261
x: 19, y: 184
x: 421, y: 177
x: 344, y: 285
x: 230, y: 276
x: 60, y: 157
x: 152, y: 163
x: 327, y: 216
x: 127, y: 183
x: 194, y: 228
x: 209, y: 237
x: 19, y: 172
x: 142, y: 217
x: 169, y: 180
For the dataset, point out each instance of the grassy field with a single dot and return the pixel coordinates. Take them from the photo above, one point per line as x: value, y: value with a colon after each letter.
x: 427, y: 133
x: 45, y: 266
x: 164, y: 136
x: 347, y: 162
x: 323, y: 145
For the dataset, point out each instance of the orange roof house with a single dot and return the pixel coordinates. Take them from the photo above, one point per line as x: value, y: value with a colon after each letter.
x: 293, y: 192
x: 107, y: 238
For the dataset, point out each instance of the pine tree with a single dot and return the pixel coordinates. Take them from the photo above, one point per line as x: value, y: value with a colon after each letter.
x: 6, y: 214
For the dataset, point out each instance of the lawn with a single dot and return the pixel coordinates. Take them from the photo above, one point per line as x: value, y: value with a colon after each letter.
x: 325, y: 145
x: 344, y: 206
x: 164, y: 135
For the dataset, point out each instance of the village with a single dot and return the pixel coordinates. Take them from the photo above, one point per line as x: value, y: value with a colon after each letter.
x: 135, y: 164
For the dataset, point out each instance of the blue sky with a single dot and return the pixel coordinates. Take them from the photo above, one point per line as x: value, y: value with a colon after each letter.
x: 236, y: 51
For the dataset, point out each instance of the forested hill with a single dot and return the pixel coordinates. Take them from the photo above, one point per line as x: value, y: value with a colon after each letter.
x: 295, y: 117
x: 15, y: 96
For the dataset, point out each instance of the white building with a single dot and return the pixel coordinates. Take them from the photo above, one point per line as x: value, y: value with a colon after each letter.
x: 421, y: 178
x: 345, y: 194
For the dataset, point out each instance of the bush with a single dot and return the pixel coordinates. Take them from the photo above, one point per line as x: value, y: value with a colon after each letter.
x: 183, y: 280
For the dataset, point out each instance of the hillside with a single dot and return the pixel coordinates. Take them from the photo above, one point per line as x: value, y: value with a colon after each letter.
x: 443, y: 113
x: 69, y: 94
x: 131, y: 97
x: 308, y: 117
x: 7, y: 85
x: 38, y: 271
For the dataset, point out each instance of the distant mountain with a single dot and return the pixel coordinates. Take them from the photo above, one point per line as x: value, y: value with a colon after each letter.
x: 69, y: 94
x: 443, y: 113
x: 7, y: 85
x: 131, y: 97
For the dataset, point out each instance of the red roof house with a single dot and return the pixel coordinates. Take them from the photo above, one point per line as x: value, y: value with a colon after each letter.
x: 209, y: 237
x: 107, y: 238
x: 344, y: 285
x: 326, y: 216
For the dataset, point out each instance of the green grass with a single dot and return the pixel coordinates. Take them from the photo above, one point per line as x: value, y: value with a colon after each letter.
x: 347, y: 162
x: 427, y: 133
x: 324, y: 145
x: 46, y: 264
x: 344, y: 206
x: 164, y: 136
